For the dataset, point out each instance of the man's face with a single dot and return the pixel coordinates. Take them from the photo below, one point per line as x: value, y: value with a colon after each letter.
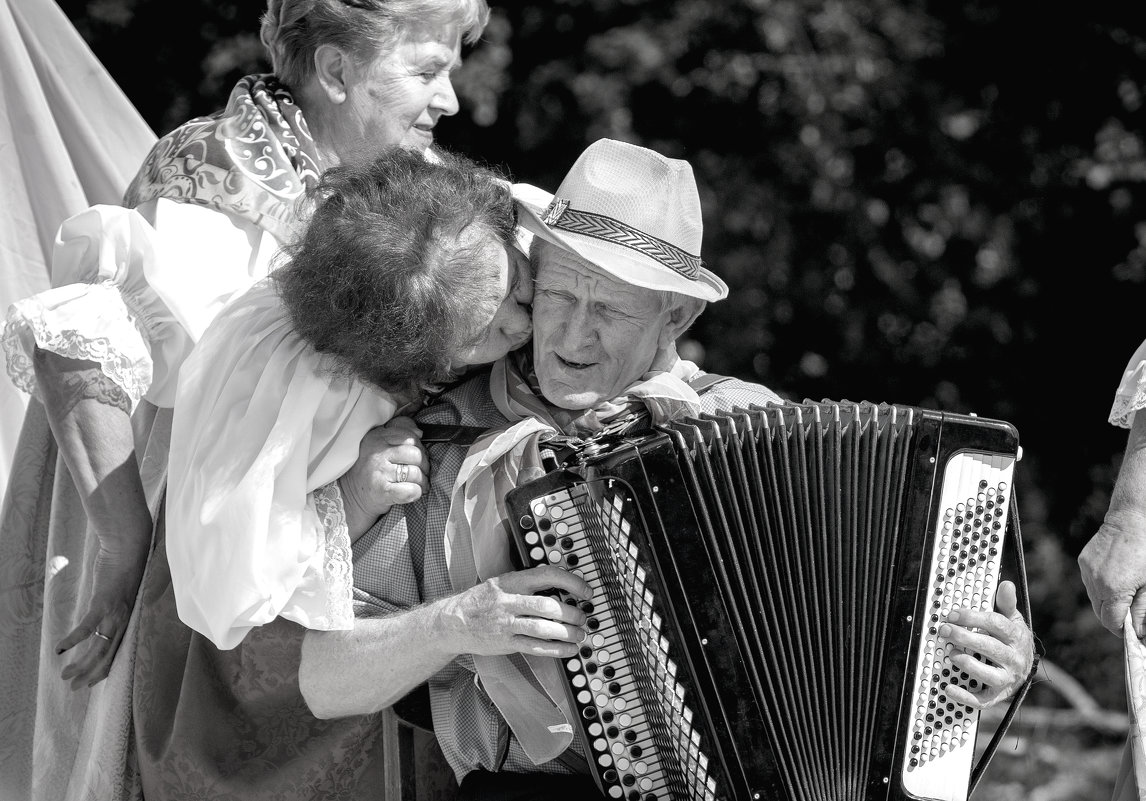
x: 593, y: 335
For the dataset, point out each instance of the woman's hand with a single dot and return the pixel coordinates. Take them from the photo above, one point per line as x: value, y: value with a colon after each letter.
x: 392, y: 468
x: 117, y: 573
x: 1004, y: 645
x: 1113, y: 567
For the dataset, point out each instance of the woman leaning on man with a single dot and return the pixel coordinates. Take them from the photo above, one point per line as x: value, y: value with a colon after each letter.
x: 89, y: 614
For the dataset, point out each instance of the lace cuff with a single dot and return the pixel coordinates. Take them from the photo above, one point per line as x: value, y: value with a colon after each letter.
x: 337, y: 563
x: 79, y: 321
x: 1131, y: 394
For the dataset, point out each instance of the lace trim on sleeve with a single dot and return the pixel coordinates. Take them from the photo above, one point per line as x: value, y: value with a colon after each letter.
x: 338, y: 568
x: 28, y: 327
x: 1130, y: 398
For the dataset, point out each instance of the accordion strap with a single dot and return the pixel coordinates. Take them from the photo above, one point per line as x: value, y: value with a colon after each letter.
x: 1018, y: 564
x: 450, y: 434
x: 706, y: 381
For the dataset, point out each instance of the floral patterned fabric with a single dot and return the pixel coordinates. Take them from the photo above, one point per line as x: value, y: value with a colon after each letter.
x: 1132, y: 774
x: 232, y: 725
x: 254, y: 159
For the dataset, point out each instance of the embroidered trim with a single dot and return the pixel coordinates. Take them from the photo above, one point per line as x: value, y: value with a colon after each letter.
x: 1125, y: 407
x: 27, y: 328
x: 338, y: 567
x: 599, y: 226
x: 1131, y: 397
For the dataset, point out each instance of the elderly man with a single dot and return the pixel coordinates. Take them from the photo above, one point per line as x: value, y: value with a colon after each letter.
x: 618, y: 280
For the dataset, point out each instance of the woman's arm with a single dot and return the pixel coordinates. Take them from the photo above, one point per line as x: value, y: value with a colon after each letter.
x: 89, y: 415
x: 373, y: 665
x: 356, y: 672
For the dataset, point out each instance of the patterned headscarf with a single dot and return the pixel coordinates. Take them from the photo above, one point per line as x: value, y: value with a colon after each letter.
x: 255, y: 159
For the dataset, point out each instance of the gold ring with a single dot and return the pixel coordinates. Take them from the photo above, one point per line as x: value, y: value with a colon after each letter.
x: 96, y: 633
x: 401, y: 473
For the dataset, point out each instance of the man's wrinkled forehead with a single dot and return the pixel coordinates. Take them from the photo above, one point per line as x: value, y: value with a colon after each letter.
x: 554, y: 263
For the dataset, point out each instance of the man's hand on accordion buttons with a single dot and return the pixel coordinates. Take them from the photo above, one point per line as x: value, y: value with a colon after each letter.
x: 996, y: 649
x: 505, y: 615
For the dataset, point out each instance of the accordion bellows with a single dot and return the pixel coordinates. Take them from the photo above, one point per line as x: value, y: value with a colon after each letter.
x: 768, y: 590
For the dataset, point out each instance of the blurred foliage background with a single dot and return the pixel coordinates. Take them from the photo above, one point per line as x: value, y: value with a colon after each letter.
x: 931, y: 203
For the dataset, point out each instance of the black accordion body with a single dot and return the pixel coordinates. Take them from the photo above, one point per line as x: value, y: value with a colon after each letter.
x: 768, y: 587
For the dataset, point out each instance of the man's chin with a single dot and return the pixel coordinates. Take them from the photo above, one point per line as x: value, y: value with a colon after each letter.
x: 575, y: 403
x: 571, y: 400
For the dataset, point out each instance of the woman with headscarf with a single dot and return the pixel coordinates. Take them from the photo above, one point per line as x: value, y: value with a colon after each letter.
x: 133, y: 289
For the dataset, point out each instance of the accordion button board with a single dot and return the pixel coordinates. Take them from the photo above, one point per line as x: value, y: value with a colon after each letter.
x: 966, y: 559
x: 623, y: 679
x: 769, y: 587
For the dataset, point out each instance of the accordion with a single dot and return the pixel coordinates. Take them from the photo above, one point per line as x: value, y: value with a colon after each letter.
x: 768, y: 586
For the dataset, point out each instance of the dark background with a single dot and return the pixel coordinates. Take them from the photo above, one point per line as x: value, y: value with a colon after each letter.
x: 929, y: 203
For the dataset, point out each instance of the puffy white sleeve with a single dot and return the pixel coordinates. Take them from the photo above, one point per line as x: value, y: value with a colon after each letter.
x: 133, y: 289
x: 1131, y: 393
x: 260, y: 421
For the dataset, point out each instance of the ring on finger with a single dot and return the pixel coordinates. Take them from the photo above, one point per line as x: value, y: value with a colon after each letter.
x: 96, y: 633
x: 401, y: 473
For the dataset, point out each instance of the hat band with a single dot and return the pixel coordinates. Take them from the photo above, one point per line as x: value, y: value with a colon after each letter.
x: 607, y: 229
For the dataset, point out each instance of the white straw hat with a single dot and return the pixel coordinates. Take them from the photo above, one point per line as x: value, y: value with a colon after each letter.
x: 631, y: 212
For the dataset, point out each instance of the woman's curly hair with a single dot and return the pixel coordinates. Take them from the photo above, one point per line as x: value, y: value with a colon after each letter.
x: 400, y: 265
x: 292, y: 30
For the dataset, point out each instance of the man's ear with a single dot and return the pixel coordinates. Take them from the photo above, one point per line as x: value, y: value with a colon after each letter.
x: 680, y: 319
x: 331, y: 69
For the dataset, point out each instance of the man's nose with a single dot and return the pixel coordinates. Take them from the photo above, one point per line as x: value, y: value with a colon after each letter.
x: 579, y: 329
